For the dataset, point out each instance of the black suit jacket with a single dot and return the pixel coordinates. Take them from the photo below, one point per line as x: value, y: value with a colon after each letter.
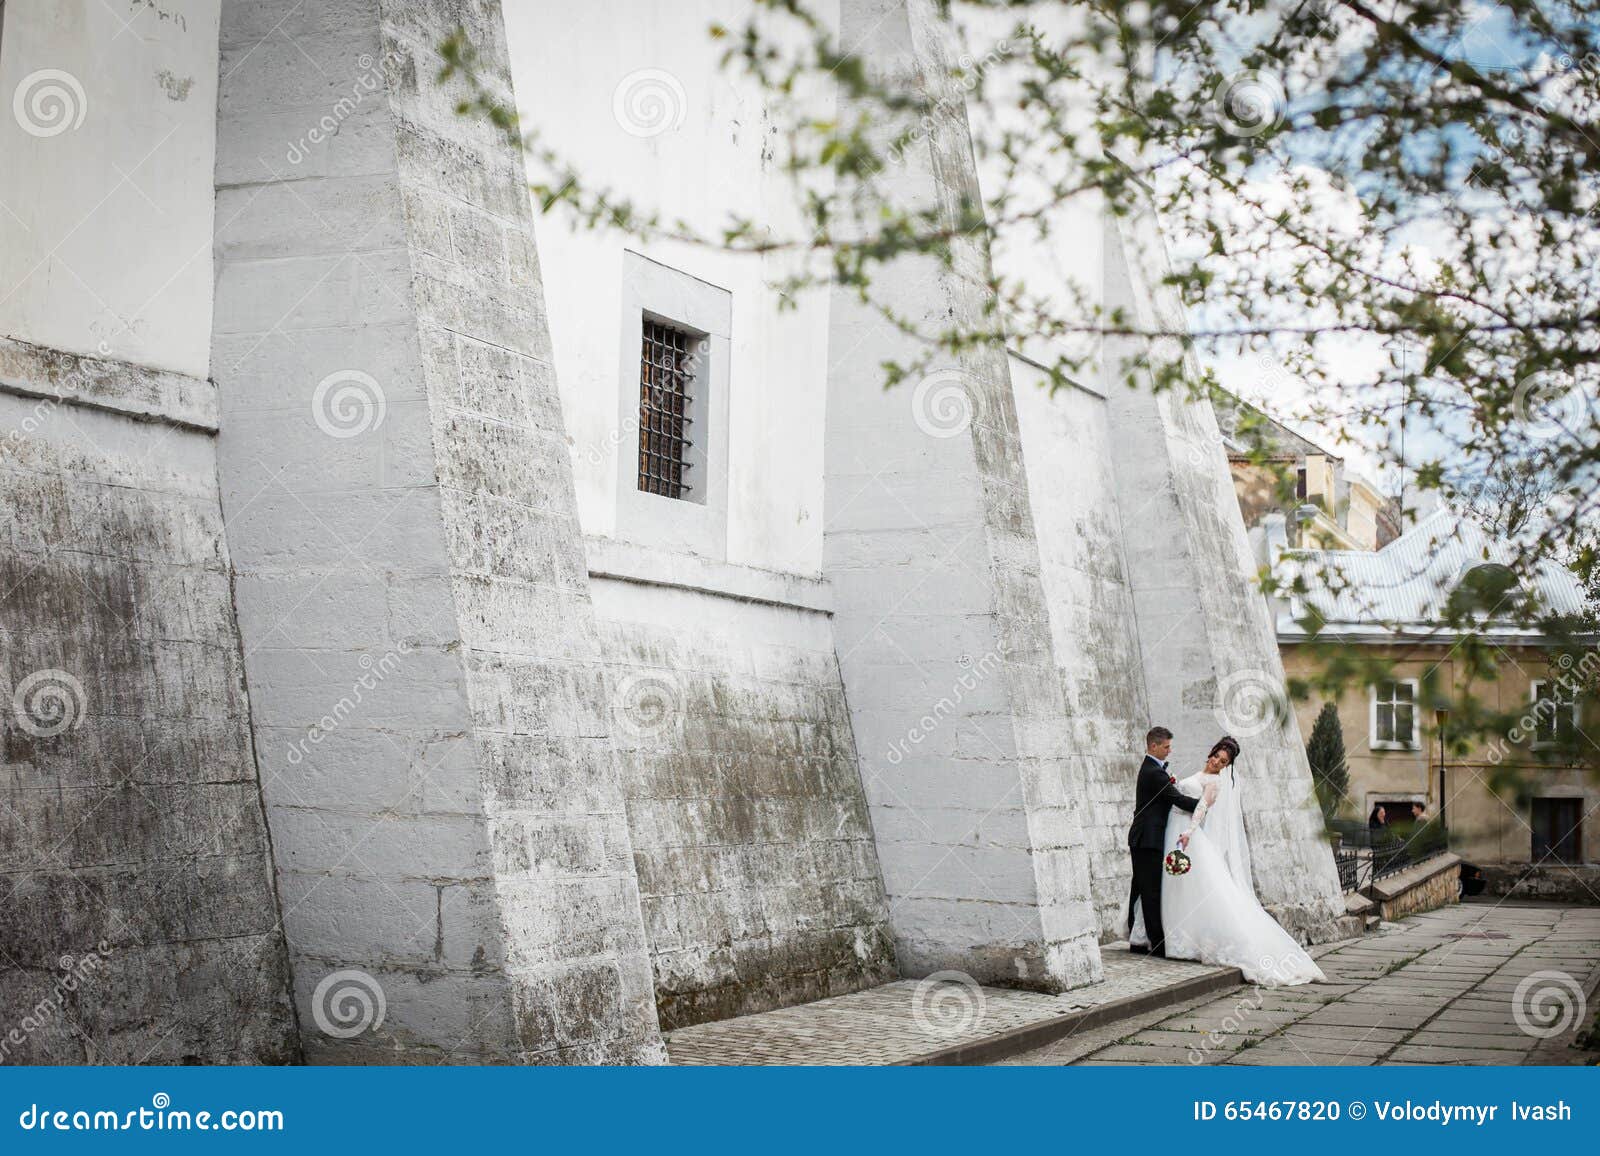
x: 1153, y: 798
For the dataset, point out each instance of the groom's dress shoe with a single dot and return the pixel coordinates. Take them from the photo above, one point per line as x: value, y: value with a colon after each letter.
x: 1137, y: 950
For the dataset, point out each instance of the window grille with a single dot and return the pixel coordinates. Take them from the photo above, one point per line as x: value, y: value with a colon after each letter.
x: 666, y: 374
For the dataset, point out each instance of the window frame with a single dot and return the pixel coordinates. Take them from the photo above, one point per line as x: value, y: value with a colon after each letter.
x: 1555, y: 743
x: 696, y: 524
x: 1377, y: 744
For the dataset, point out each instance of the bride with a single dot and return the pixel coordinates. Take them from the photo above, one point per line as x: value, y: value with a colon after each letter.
x: 1211, y: 913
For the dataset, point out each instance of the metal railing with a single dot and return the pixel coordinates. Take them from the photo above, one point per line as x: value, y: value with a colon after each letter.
x: 1366, y: 854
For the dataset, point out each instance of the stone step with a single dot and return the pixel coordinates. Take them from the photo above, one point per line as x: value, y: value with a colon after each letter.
x: 923, y: 1022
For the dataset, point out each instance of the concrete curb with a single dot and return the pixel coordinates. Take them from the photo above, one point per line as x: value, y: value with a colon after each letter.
x: 1037, y: 1035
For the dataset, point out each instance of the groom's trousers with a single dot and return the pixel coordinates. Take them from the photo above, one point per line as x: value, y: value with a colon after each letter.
x: 1147, y: 868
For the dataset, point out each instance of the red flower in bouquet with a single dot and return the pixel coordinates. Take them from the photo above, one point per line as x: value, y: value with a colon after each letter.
x: 1177, y: 863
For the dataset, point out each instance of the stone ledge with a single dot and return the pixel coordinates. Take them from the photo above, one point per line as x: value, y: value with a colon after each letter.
x: 136, y: 391
x: 620, y: 561
x: 1388, y: 889
x: 1026, y: 1038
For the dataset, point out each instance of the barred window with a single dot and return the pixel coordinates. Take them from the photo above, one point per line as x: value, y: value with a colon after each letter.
x: 1394, y: 714
x: 668, y: 373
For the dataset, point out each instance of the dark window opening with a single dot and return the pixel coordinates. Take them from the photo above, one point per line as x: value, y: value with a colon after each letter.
x: 666, y: 377
x: 1558, y: 830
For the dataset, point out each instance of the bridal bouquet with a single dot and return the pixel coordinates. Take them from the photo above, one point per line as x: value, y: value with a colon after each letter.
x: 1177, y: 863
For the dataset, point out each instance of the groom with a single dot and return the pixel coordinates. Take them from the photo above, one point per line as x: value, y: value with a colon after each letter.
x: 1154, y: 796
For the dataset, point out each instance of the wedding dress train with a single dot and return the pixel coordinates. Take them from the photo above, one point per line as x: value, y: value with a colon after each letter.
x: 1212, y: 913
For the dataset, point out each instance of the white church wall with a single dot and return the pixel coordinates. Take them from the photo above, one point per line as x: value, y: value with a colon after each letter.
x: 107, y: 144
x: 428, y: 699
x: 759, y: 879
x: 1066, y: 440
x: 941, y: 617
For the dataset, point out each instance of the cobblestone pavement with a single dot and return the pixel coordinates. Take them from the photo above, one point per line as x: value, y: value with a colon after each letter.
x: 1438, y: 988
x: 900, y: 1021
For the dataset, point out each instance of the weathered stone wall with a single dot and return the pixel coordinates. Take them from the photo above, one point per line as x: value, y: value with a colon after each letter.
x: 757, y: 871
x: 436, y: 747
x: 138, y: 920
x: 941, y: 622
x: 1094, y: 634
x: 1549, y: 883
x: 1426, y: 886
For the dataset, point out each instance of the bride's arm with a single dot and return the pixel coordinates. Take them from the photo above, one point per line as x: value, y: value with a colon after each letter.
x: 1207, y: 797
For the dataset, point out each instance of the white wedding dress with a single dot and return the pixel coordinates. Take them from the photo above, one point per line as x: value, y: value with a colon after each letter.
x: 1212, y: 913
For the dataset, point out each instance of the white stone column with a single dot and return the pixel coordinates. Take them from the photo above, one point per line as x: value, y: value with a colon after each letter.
x: 431, y: 720
x: 1209, y: 651
x: 943, y: 636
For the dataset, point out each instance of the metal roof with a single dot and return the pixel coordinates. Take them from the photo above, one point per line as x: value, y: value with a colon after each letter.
x: 1408, y: 582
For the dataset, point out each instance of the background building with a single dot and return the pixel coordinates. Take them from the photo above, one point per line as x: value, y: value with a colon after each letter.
x: 1331, y: 507
x: 1392, y: 604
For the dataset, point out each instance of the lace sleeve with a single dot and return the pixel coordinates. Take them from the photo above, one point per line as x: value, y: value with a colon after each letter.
x: 1207, y: 797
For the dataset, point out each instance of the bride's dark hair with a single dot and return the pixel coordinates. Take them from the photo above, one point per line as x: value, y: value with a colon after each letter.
x: 1229, y: 744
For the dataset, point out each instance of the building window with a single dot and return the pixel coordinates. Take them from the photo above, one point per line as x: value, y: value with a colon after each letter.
x: 668, y: 371
x: 1394, y: 715
x: 1557, y: 830
x: 1555, y: 716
